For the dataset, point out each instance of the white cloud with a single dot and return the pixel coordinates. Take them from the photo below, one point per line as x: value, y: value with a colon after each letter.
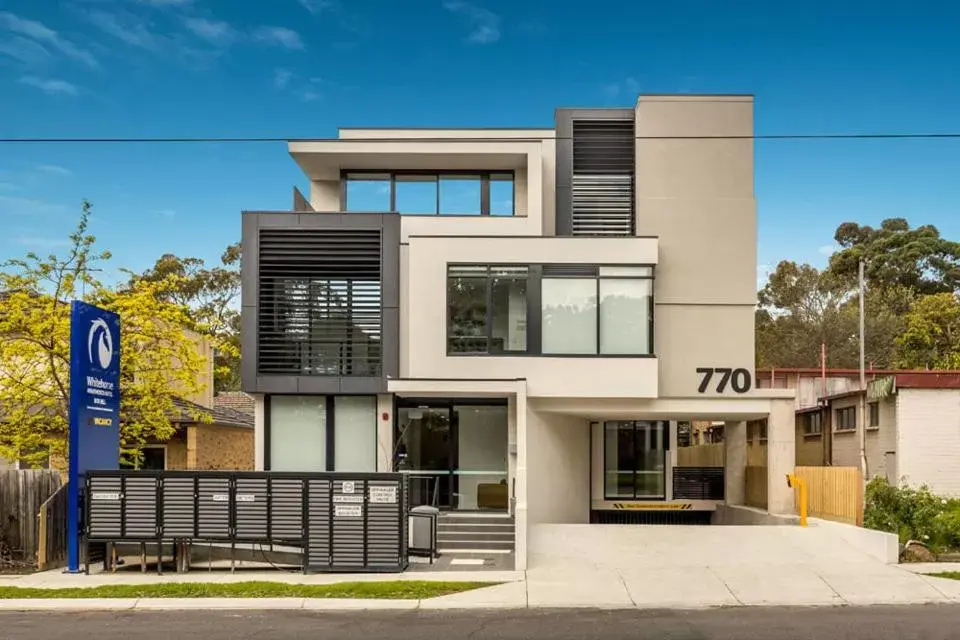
x: 319, y: 6
x: 628, y: 87
x: 280, y: 36
x: 485, y: 24
x: 281, y: 78
x: 828, y: 250
x: 11, y: 205
x: 24, y: 50
x: 51, y: 86
x: 54, y: 169
x: 36, y: 242
x: 129, y: 29
x: 310, y: 95
x: 166, y: 213
x: 43, y: 34
x: 167, y: 3
x: 215, y: 31
x: 763, y: 274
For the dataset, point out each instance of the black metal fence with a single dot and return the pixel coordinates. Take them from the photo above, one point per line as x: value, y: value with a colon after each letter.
x: 698, y: 483
x: 339, y: 521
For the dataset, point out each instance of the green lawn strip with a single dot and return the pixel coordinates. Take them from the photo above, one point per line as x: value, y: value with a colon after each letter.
x: 953, y: 575
x: 393, y: 590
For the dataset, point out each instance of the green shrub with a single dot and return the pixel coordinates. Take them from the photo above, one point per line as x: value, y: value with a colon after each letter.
x: 913, y: 514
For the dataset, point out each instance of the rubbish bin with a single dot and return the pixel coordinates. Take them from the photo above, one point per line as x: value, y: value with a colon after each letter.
x: 423, y: 531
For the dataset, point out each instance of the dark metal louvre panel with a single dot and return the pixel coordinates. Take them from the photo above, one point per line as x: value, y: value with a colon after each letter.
x: 105, y: 508
x: 570, y: 270
x: 179, y: 511
x: 320, y: 302
x: 698, y: 483
x: 286, y: 509
x: 251, y: 511
x: 347, y: 530
x: 384, y: 537
x: 318, y: 527
x: 604, y: 160
x: 214, y: 508
x: 604, y: 147
x: 140, y: 508
x: 651, y: 517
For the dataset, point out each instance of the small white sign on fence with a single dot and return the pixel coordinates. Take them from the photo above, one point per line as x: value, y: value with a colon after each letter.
x: 347, y: 511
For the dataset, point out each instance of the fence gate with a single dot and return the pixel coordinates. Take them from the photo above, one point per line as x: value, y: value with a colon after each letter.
x: 346, y: 522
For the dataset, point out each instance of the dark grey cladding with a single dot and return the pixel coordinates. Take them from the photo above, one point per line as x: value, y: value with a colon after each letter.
x: 320, y: 302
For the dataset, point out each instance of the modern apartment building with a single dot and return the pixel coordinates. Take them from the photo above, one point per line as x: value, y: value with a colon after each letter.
x: 518, y: 318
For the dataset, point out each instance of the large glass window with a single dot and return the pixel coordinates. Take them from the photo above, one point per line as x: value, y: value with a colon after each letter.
x: 298, y: 433
x: 355, y: 433
x: 368, y: 192
x: 415, y: 194
x: 471, y: 193
x: 634, y: 460
x: 501, y: 194
x: 486, y: 309
x: 609, y: 313
x: 569, y: 312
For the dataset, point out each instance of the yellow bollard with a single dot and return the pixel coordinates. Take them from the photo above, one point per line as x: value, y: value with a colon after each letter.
x: 796, y: 482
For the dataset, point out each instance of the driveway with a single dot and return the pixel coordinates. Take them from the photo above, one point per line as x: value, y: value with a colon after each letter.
x: 690, y: 566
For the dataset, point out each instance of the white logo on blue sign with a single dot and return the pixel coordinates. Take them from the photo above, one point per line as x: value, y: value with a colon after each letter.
x: 100, y: 333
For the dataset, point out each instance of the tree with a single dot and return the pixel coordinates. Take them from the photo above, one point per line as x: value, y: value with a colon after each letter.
x: 157, y: 360
x: 802, y: 308
x: 931, y: 336
x: 898, y: 256
x: 209, y: 296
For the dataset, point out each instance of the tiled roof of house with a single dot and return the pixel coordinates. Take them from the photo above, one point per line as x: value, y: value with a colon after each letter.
x: 186, y: 411
x: 236, y: 400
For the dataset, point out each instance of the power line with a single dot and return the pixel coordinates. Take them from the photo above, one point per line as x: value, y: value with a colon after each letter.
x: 229, y: 139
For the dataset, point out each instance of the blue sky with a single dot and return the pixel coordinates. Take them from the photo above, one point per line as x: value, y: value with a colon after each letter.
x: 301, y: 68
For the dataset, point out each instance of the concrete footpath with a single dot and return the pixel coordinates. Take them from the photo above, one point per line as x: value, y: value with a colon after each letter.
x: 591, y: 566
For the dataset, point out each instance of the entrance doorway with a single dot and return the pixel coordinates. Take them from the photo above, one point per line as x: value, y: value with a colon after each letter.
x: 634, y: 459
x: 454, y: 452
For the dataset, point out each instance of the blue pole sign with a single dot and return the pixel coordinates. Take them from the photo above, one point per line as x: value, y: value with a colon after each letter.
x: 94, y: 406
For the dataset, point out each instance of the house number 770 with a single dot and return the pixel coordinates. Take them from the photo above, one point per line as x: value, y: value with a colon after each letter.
x: 738, y: 379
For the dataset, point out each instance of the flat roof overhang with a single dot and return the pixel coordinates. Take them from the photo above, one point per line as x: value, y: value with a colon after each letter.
x: 455, y: 387
x: 754, y: 406
x: 325, y: 159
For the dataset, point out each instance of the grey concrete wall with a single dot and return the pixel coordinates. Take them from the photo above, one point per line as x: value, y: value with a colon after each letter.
x: 696, y: 196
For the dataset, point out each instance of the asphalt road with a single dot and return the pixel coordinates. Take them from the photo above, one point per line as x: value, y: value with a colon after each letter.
x: 929, y: 622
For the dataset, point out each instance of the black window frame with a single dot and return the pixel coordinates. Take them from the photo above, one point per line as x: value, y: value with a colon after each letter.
x: 490, y: 274
x: 635, y: 453
x: 841, y: 422
x: 391, y: 175
x: 535, y: 276
x: 873, y: 415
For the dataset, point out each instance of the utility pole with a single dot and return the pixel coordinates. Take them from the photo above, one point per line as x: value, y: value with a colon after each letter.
x: 862, y: 422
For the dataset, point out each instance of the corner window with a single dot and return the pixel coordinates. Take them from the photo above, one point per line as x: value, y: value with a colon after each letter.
x: 846, y: 419
x: 874, y: 415
x: 597, y: 310
x: 486, y: 309
x: 471, y: 193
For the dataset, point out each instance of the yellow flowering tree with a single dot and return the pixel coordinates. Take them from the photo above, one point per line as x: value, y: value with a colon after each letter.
x: 158, y: 361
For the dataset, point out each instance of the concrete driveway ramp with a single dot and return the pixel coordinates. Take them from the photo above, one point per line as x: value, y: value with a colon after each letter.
x: 690, y: 566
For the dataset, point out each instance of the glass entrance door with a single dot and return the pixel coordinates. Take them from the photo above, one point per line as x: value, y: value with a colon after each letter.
x: 455, y: 453
x: 426, y: 451
x: 635, y: 459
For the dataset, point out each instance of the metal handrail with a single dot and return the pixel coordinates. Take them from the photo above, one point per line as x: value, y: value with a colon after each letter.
x: 42, y: 526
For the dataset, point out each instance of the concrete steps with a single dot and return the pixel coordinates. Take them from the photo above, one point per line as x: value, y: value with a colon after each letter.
x: 475, y: 532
